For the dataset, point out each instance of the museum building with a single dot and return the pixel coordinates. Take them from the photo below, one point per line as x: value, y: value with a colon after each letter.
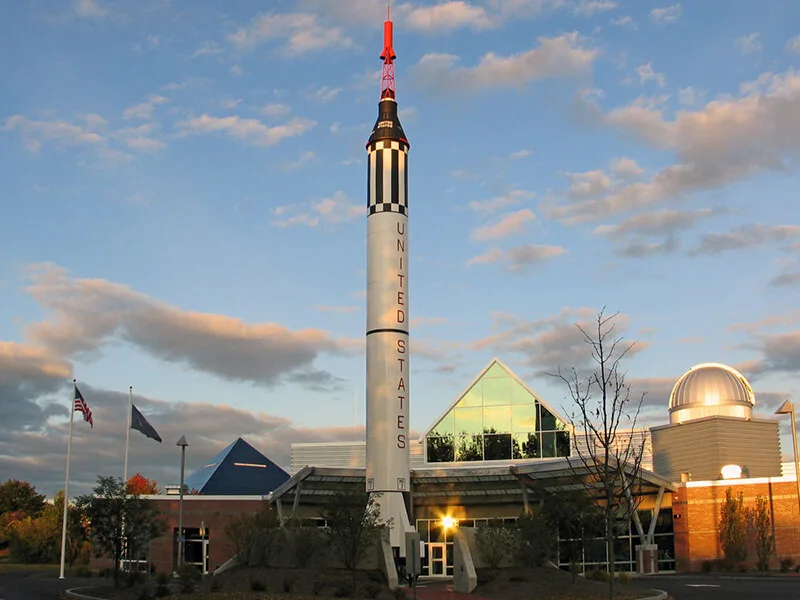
x: 490, y: 451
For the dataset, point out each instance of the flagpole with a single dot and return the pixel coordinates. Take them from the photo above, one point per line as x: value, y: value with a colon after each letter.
x: 128, y: 434
x: 66, y: 482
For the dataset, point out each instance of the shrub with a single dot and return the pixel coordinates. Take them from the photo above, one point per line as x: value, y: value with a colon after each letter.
x: 144, y: 593
x: 257, y: 585
x: 741, y: 567
x: 344, y: 590
x: 598, y: 575
x: 316, y: 586
x: 400, y: 593
x: 518, y: 578
x: 707, y: 566
x: 495, y: 542
x: 162, y: 585
x: 369, y: 591
x: 216, y: 584
x: 288, y: 583
x: 83, y: 571
x: 623, y: 577
x: 786, y: 564
x: 188, y: 575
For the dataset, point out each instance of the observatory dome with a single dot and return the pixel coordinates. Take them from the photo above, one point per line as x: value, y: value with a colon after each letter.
x: 711, y: 389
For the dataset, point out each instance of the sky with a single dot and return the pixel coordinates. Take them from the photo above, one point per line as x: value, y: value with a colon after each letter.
x: 184, y: 190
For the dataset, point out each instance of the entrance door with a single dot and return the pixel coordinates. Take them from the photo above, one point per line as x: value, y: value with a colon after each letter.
x: 437, y: 559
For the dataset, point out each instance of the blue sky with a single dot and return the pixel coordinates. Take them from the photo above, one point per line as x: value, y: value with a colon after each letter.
x: 184, y: 191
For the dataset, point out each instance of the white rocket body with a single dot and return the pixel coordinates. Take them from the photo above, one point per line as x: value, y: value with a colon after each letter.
x: 388, y: 472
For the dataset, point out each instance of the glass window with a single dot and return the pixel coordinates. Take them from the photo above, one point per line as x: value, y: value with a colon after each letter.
x: 469, y: 420
x: 523, y: 418
x: 496, y: 371
x: 497, y: 447
x: 441, y: 449
x: 526, y: 445
x: 497, y: 419
x: 548, y: 420
x: 469, y: 448
x: 496, y: 392
x: 548, y: 444
x: 472, y: 397
x: 562, y: 443
x: 446, y: 426
x: 519, y: 395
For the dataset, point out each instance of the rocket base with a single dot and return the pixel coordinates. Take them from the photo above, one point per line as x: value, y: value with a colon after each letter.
x: 393, y: 510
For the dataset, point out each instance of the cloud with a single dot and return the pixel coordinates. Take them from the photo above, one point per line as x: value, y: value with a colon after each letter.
x: 779, y: 353
x: 793, y: 45
x: 786, y: 280
x: 728, y: 140
x: 207, y: 48
x: 499, y: 202
x: 523, y: 153
x: 339, y: 309
x: 144, y: 110
x: 60, y: 133
x: 336, y: 209
x: 236, y: 70
x: 656, y: 391
x: 276, y: 110
x: 251, y: 131
x: 448, y: 16
x: 510, y: 224
x: 325, y: 93
x: 26, y: 374
x: 85, y: 314
x: 663, y: 222
x: 589, y: 8
x: 301, y: 32
x: 643, y: 249
x: 305, y: 158
x: 646, y: 73
x: 626, y: 22
x: 667, y: 14
x: 518, y: 259
x: 426, y: 321
x: 464, y: 175
x: 554, y: 57
x: 768, y: 322
x: 89, y: 9
x: 748, y: 44
x: 551, y: 342
x: 746, y: 236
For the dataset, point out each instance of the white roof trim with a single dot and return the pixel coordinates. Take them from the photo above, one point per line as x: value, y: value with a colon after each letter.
x: 475, y: 380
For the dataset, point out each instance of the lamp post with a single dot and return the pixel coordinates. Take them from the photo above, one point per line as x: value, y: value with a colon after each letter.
x: 182, y: 443
x: 788, y: 408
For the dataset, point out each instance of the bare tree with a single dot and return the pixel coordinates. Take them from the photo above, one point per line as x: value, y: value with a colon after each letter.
x: 611, y: 460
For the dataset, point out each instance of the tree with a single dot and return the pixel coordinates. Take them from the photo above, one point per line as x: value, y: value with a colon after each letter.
x: 733, y: 529
x: 353, y: 527
x: 496, y: 541
x: 20, y: 496
x: 759, y: 520
x: 141, y: 485
x: 535, y: 540
x: 610, y: 462
x: 576, y: 517
x: 118, y: 519
x: 252, y: 536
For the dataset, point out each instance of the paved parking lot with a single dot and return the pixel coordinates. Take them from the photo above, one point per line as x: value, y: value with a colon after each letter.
x: 719, y: 587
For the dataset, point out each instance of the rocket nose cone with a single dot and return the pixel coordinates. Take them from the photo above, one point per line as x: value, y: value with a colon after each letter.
x: 388, y: 126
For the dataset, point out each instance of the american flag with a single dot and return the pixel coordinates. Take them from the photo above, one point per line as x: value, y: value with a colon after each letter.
x: 80, y: 405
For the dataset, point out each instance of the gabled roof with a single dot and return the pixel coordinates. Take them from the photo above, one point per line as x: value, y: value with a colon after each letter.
x: 239, y: 470
x: 502, y: 365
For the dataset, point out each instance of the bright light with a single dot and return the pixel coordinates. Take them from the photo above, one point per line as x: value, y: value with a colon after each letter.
x: 449, y: 522
x: 731, y: 472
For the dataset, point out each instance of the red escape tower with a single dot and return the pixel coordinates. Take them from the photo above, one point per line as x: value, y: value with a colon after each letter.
x: 388, y: 56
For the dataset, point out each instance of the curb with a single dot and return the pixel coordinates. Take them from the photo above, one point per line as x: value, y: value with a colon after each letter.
x: 660, y: 595
x: 73, y: 594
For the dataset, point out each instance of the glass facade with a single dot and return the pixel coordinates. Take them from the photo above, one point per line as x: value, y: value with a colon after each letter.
x: 497, y: 419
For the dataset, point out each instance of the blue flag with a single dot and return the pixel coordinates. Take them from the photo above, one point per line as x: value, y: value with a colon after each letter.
x: 139, y: 423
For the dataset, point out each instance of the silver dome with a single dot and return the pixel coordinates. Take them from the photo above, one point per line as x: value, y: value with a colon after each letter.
x: 711, y: 389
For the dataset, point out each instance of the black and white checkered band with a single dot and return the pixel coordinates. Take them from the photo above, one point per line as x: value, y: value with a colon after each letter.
x: 387, y: 177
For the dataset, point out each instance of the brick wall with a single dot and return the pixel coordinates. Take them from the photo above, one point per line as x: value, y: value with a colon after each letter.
x: 696, y: 511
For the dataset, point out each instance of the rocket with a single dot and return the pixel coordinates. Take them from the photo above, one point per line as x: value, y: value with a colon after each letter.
x: 388, y: 472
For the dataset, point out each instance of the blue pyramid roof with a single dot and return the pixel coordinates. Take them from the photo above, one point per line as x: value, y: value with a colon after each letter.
x: 239, y: 470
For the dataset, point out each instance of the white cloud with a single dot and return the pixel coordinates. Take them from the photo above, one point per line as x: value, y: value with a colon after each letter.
x: 498, y: 202
x: 89, y: 8
x: 35, y: 133
x: 236, y: 70
x: 793, y: 45
x: 519, y: 258
x: 589, y: 8
x: 667, y: 14
x: 746, y: 236
x: 748, y: 44
x: 662, y: 222
x: 207, y: 48
x: 251, y: 131
x: 523, y: 153
x: 646, y: 73
x: 448, y: 16
x: 144, y: 110
x: 301, y: 32
x: 625, y: 168
x: 276, y: 110
x: 727, y: 140
x: 305, y: 158
x: 325, y: 93
x: 336, y: 209
x: 625, y: 21
x: 554, y: 57
x: 510, y: 224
